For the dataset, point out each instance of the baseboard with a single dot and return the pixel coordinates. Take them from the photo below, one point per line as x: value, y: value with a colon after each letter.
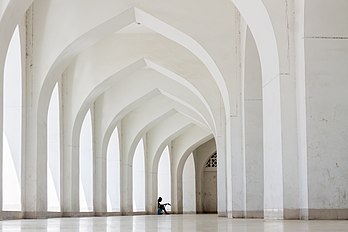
x: 254, y: 214
x: 328, y: 214
x: 11, y: 215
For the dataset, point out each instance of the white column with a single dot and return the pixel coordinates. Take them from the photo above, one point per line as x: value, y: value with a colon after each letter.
x: 253, y: 142
x: 299, y: 66
x: 35, y: 197
x: 100, y: 167
x: 126, y: 174
x: 272, y: 140
x: 71, y: 165
x: 223, y: 164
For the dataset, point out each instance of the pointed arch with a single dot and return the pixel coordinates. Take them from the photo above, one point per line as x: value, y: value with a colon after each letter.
x: 113, y: 173
x: 86, y: 164
x: 53, y: 153
x: 139, y: 178
x: 12, y: 126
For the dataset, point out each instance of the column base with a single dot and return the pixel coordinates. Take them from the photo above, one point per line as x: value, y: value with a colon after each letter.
x: 296, y: 214
x: 277, y: 214
x: 236, y: 214
x: 8, y: 215
x: 35, y: 215
x: 222, y: 214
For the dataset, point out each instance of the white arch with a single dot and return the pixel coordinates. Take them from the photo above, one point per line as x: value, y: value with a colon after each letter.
x: 127, y: 108
x: 156, y: 140
x: 124, y: 73
x: 239, y: 4
x: 63, y: 59
x: 257, y: 18
x: 259, y: 22
x: 99, y: 89
x: 189, y: 43
x: 131, y: 15
x: 182, y: 148
x: 131, y: 140
x: 123, y: 113
x: 127, y: 152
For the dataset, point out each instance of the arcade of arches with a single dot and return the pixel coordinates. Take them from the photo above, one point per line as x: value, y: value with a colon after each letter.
x: 236, y: 107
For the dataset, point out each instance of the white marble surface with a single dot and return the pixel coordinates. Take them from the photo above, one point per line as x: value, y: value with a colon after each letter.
x: 192, y: 223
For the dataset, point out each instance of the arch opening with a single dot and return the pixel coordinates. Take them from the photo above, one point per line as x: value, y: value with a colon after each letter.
x: 139, y: 178
x: 12, y: 126
x: 164, y: 177
x: 189, y: 186
x: 53, y: 153
x: 113, y: 173
x: 86, y: 165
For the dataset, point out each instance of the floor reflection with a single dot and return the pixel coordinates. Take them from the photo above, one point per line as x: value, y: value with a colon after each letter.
x: 176, y: 223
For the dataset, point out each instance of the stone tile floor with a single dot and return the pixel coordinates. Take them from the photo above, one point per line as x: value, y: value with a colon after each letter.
x: 190, y: 223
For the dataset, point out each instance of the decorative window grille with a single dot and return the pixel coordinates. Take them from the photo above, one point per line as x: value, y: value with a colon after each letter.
x: 212, y: 161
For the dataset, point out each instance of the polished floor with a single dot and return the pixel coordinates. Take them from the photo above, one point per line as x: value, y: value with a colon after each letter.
x: 191, y: 223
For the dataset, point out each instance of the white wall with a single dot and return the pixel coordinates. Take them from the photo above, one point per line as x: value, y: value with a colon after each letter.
x: 326, y: 55
x: 209, y: 191
x: 201, y: 155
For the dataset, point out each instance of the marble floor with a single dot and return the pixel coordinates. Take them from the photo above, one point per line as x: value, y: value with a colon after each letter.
x: 191, y: 223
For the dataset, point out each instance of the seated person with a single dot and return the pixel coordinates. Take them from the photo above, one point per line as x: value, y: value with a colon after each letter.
x: 161, y: 207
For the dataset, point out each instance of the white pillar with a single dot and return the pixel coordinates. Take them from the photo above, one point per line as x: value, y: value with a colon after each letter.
x: 273, y: 163
x: 35, y: 197
x: 223, y: 164
x: 253, y: 142
x: 126, y: 175
x: 71, y: 166
x: 299, y: 66
x: 100, y: 165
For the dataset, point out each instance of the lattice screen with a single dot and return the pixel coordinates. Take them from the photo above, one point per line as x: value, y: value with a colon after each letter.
x: 212, y: 161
